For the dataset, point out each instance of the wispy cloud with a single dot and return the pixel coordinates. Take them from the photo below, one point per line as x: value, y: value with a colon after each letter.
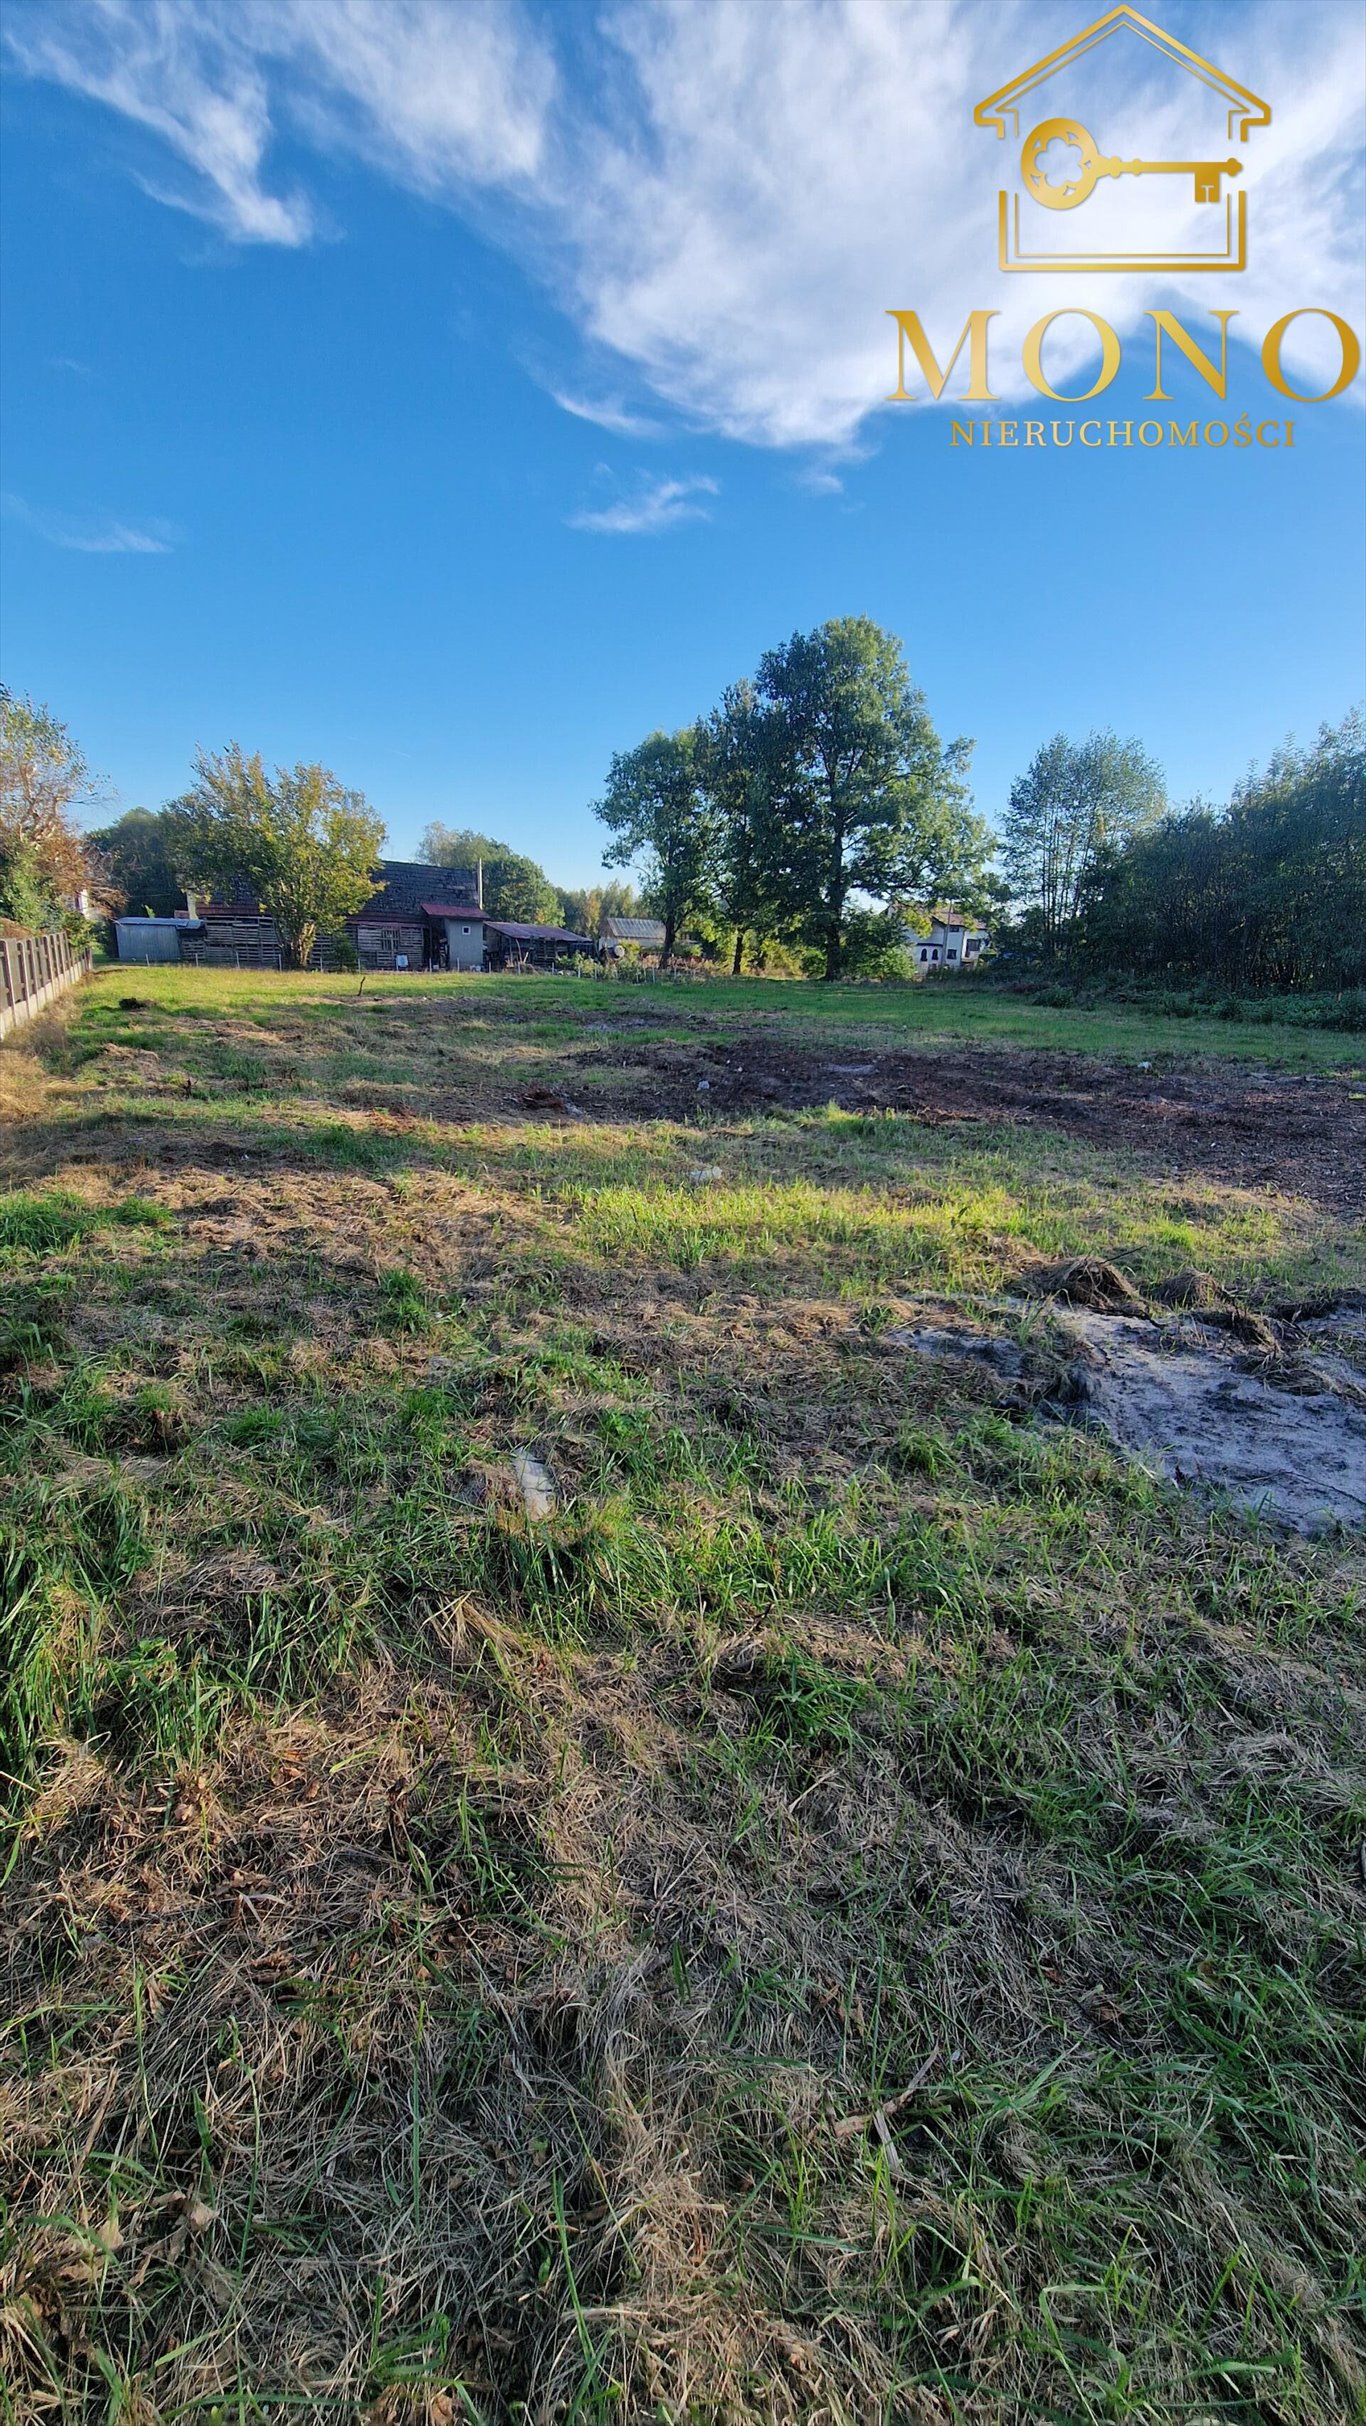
x: 723, y: 195
x: 445, y: 99
x: 88, y: 536
x: 608, y: 414
x: 654, y: 506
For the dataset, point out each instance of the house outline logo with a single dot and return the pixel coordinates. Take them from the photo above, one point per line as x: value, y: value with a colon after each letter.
x: 1059, y: 134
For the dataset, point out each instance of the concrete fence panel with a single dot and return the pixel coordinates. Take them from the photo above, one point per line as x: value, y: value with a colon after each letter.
x: 34, y: 971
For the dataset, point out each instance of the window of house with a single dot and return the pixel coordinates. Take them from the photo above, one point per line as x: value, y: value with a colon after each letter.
x: 924, y: 955
x: 464, y: 930
x: 952, y: 954
x: 390, y: 938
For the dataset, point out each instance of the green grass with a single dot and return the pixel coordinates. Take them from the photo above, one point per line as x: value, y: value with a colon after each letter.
x: 455, y: 1963
x: 901, y: 1015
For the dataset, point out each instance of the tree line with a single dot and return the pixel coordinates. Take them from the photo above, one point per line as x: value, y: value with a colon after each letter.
x: 803, y: 823
x: 1267, y: 894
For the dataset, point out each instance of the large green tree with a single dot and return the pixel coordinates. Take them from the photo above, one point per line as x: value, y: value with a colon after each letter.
x: 306, y: 844
x: 661, y: 816
x: 514, y: 886
x: 1075, y: 802
x: 745, y: 764
x: 871, y: 806
x: 136, y: 850
x: 45, y: 862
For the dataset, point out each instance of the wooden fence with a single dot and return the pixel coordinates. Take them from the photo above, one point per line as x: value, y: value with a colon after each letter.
x: 34, y: 970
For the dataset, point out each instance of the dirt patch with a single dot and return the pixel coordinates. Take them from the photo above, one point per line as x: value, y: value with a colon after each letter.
x: 1194, y: 1414
x: 1281, y: 1432
x: 1304, y: 1135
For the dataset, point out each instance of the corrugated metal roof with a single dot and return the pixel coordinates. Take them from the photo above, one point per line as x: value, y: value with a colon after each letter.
x: 516, y: 932
x: 453, y: 909
x: 634, y: 930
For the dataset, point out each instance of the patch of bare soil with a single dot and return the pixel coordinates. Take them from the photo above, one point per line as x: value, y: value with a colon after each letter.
x: 1303, y: 1134
x: 1268, y: 1414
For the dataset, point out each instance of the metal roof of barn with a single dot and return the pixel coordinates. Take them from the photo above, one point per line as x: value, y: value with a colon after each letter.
x: 515, y: 932
x: 634, y: 930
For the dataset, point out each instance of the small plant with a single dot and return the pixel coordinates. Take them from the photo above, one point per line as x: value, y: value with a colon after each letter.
x: 405, y: 1300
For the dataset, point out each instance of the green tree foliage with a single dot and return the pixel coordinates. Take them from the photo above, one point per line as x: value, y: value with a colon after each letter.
x: 136, y: 852
x: 745, y: 764
x: 661, y: 814
x: 1269, y: 893
x: 514, y: 886
x: 583, y: 907
x: 443, y: 846
x: 306, y: 844
x: 868, y: 806
x: 1075, y: 801
x: 44, y: 861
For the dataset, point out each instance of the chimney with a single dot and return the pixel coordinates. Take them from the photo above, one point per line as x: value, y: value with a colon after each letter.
x: 479, y: 882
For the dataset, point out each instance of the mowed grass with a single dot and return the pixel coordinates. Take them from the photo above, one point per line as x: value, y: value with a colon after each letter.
x: 894, y: 1015
x: 856, y: 1915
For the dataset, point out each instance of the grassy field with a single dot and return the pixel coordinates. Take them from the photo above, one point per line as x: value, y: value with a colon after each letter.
x: 856, y: 1912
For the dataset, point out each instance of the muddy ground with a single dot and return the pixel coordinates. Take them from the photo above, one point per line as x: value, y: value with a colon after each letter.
x: 1304, y: 1134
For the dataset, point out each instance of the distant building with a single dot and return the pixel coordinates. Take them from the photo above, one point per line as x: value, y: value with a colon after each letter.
x: 953, y: 942
x: 641, y: 934
x: 148, y: 939
x: 511, y: 944
x: 434, y: 918
x: 421, y: 917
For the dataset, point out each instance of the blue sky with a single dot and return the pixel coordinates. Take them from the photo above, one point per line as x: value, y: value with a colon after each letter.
x: 455, y: 392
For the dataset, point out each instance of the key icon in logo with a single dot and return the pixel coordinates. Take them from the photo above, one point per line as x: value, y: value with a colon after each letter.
x: 1087, y: 165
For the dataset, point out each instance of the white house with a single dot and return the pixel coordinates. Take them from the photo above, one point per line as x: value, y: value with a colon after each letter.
x: 953, y: 942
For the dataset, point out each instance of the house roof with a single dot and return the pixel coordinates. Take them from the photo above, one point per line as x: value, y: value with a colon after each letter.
x: 634, y: 930
x: 453, y: 909
x: 407, y: 882
x: 1245, y: 109
x: 514, y: 931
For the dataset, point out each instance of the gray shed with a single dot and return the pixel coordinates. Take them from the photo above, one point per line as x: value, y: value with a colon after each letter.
x: 147, y: 939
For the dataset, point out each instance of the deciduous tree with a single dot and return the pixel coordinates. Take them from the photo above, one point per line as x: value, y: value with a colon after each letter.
x: 45, y: 862
x: 872, y: 805
x: 514, y: 886
x: 306, y: 844
x: 745, y: 765
x: 1075, y: 801
x: 136, y: 853
x: 660, y: 814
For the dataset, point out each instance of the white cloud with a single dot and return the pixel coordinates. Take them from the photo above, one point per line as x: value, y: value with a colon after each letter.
x: 442, y: 98
x: 609, y: 414
x: 87, y: 536
x: 727, y: 195
x: 656, y: 505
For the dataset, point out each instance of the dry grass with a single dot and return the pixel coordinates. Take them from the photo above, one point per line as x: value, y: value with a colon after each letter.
x: 458, y: 1968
